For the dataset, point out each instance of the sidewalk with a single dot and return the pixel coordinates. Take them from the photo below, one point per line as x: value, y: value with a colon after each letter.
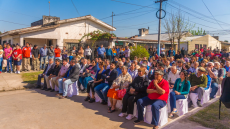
x: 11, y: 82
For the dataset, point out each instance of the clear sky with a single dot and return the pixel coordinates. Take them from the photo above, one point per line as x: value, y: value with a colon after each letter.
x: 128, y: 17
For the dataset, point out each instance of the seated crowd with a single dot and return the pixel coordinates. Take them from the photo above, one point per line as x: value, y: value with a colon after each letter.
x: 153, y: 81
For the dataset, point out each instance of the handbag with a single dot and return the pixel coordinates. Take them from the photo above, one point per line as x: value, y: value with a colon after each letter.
x: 121, y: 93
x: 4, y: 63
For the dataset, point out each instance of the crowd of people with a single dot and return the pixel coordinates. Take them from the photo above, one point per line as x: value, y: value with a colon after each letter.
x: 113, y: 76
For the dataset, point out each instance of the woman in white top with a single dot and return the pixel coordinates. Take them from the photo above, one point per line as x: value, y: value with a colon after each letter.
x: 1, y: 58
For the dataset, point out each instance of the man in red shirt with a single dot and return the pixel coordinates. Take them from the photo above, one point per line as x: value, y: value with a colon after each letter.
x: 158, y: 91
x: 26, y: 57
x: 218, y: 54
x: 57, y: 52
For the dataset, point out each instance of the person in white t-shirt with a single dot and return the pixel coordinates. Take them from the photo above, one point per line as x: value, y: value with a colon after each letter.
x: 173, y: 75
x: 162, y: 51
x: 88, y: 53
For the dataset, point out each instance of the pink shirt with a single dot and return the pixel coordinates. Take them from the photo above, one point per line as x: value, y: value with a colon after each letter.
x: 64, y: 69
x: 7, y: 51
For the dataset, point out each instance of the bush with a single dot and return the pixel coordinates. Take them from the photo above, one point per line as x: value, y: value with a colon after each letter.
x: 138, y: 51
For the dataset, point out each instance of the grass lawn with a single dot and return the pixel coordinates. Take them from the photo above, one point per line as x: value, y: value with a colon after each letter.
x: 30, y: 77
x: 209, y: 117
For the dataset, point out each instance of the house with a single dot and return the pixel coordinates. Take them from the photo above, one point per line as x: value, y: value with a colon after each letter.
x: 225, y: 46
x: 51, y: 31
x: 188, y: 41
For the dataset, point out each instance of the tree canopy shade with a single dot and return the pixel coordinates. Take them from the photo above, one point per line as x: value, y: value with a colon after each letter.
x: 198, y: 32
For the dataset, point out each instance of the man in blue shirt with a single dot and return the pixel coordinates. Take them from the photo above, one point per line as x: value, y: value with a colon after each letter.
x: 71, y: 76
x: 119, y: 68
x: 118, y: 50
x: 109, y: 53
x: 101, y: 52
x: 43, y: 54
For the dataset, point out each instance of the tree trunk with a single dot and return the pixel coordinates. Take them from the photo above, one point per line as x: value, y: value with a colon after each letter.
x: 178, y: 44
x: 173, y: 44
x: 171, y: 40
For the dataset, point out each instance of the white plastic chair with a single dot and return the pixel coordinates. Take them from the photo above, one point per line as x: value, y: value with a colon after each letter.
x: 182, y: 106
x: 218, y: 93
x: 97, y: 98
x: 118, y: 105
x: 163, y: 115
x: 73, y: 90
x: 205, y: 98
x: 135, y: 111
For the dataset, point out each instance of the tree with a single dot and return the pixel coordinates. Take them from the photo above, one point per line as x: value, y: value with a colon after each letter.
x: 181, y: 27
x: 170, y: 26
x: 0, y: 32
x: 198, y: 32
x: 140, y: 51
x: 225, y: 40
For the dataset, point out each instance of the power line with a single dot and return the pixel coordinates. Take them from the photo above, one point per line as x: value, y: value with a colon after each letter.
x: 20, y: 13
x: 75, y: 7
x: 132, y: 4
x: 138, y: 24
x: 191, y: 10
x: 211, y: 14
x: 14, y: 23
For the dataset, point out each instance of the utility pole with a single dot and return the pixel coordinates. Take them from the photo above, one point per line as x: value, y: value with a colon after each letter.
x: 159, y: 29
x: 49, y: 8
x: 112, y: 19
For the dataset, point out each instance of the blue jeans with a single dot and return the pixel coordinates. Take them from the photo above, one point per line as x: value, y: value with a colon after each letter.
x: 43, y: 60
x: 101, y: 56
x: 102, y: 94
x: 9, y: 64
x: 63, y: 86
x: 50, y: 57
x: 156, y: 106
x: 1, y: 59
x: 84, y: 81
x: 173, y: 98
x: 214, y: 87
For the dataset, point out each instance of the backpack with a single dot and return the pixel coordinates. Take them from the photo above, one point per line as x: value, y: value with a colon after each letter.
x: 225, y: 96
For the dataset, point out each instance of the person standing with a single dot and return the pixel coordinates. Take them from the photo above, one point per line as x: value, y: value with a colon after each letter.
x: 26, y: 57
x: 162, y: 51
x: 114, y: 52
x: 1, y: 58
x: 50, y: 52
x: 64, y: 53
x: 43, y: 54
x: 118, y: 51
x: 57, y: 52
x: 31, y: 61
x: 109, y: 53
x: 88, y: 53
x: 101, y: 52
x: 81, y: 52
x: 17, y: 56
x: 127, y: 52
x: 7, y: 55
x: 182, y: 52
x: 35, y: 56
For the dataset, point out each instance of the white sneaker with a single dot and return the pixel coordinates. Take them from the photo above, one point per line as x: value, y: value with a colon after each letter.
x: 129, y: 117
x: 18, y: 72
x: 122, y: 114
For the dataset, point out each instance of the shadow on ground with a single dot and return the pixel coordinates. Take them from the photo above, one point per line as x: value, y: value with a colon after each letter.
x: 99, y: 108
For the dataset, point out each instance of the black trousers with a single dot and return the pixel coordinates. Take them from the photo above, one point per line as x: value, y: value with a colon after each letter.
x: 40, y: 76
x: 109, y: 57
x: 91, y: 86
x: 88, y: 56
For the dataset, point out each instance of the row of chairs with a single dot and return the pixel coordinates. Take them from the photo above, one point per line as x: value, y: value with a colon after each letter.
x: 181, y: 104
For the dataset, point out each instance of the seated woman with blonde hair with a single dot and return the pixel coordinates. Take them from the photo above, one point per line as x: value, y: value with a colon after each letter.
x: 119, y: 85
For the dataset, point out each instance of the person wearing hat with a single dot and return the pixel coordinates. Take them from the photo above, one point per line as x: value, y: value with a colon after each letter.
x: 198, y: 83
x: 158, y: 91
x: 35, y: 58
x: 160, y: 66
x: 217, y: 79
x: 43, y: 54
x: 57, y: 52
x: 179, y: 64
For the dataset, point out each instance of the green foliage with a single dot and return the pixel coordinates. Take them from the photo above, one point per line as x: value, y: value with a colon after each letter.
x: 139, y: 51
x: 97, y: 35
x: 198, y: 32
x: 225, y: 40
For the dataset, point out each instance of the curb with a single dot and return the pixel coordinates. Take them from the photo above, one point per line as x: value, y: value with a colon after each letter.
x: 193, y: 111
